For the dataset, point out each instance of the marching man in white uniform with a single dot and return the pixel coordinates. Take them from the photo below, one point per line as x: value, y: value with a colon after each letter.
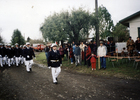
x: 1, y: 54
x: 28, y: 54
x: 54, y: 62
x: 17, y: 54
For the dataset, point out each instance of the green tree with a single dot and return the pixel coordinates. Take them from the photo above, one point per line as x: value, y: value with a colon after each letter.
x: 17, y: 38
x: 74, y: 25
x: 105, y: 23
x: 121, y: 32
x: 78, y: 24
x: 53, y: 28
x: 28, y: 39
x: 1, y: 40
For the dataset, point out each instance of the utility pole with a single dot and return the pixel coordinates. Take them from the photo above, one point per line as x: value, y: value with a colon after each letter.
x: 97, y: 23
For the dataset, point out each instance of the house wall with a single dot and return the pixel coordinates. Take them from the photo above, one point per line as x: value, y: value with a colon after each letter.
x: 134, y: 24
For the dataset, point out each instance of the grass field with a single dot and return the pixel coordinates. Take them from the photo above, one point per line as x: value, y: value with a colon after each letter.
x: 122, y: 70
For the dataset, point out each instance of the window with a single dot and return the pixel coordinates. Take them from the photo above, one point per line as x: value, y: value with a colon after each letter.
x: 138, y: 31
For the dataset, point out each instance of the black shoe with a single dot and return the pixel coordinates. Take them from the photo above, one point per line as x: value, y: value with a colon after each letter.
x: 104, y: 68
x: 30, y: 69
x: 56, y: 79
x: 55, y: 83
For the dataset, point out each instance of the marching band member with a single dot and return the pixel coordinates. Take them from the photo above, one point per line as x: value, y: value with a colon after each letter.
x: 54, y: 62
x: 1, y: 54
x: 21, y: 56
x: 28, y: 53
x: 17, y: 54
x: 13, y: 56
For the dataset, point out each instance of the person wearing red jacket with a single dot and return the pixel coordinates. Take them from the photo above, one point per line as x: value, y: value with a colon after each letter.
x: 92, y: 59
x: 88, y: 53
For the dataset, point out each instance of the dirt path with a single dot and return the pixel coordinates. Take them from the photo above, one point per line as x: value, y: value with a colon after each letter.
x: 38, y: 86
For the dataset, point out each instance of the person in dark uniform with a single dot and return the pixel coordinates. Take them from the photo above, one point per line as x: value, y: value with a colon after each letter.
x: 54, y: 62
x: 17, y: 54
x: 28, y: 54
x: 21, y: 54
x: 6, y: 54
x: 13, y: 54
x: 10, y: 55
x: 1, y: 54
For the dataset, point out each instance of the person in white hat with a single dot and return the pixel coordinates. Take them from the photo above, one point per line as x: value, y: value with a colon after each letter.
x: 28, y: 54
x: 1, y: 54
x: 10, y: 55
x: 54, y: 62
x: 21, y: 56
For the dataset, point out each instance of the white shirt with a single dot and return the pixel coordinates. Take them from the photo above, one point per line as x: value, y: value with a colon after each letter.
x: 101, y: 51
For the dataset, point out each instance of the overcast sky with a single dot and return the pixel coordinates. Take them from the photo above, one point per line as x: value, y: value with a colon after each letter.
x: 28, y: 15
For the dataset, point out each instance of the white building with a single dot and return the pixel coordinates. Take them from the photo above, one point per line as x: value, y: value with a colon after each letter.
x: 133, y: 22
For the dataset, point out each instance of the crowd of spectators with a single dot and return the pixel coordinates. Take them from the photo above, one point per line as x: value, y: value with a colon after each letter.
x: 81, y: 52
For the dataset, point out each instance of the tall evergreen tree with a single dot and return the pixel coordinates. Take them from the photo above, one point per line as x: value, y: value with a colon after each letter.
x: 17, y: 38
x: 105, y: 23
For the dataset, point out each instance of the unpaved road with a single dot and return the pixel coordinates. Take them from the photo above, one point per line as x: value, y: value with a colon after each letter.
x: 17, y: 84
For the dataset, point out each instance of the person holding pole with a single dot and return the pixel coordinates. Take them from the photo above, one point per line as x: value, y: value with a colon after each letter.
x: 101, y: 52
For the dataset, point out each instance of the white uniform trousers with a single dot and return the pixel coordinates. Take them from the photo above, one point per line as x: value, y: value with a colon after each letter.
x: 17, y: 60
x: 21, y: 59
x: 28, y: 64
x: 55, y: 72
x: 1, y: 63
x: 5, y: 61
x: 10, y: 61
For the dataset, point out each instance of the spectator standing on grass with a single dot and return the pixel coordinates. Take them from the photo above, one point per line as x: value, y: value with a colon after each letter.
x: 85, y: 50
x: 92, y: 59
x: 88, y: 53
x: 61, y: 51
x: 82, y: 45
x: 130, y: 46
x: 95, y: 47
x: 137, y: 44
x: 91, y: 46
x: 108, y: 45
x: 112, y: 46
x: 71, y: 55
x: 77, y: 54
x: 66, y: 51
x: 54, y: 62
x: 46, y: 49
x: 101, y: 52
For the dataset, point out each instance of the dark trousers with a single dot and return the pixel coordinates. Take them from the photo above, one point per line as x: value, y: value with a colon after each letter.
x: 88, y: 61
x: 103, y: 62
x: 85, y: 61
